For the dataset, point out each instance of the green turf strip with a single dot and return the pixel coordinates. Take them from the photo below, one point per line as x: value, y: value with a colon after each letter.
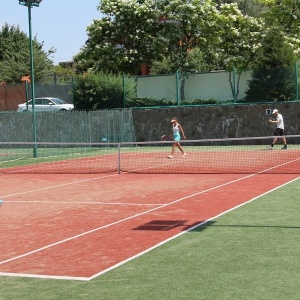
x: 250, y: 253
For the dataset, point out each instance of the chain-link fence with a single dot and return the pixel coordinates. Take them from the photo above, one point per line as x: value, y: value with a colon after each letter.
x: 68, y: 127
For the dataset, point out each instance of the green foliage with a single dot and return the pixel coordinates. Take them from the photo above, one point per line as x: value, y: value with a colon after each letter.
x: 273, y: 76
x: 101, y: 91
x: 123, y: 39
x: 59, y: 75
x: 163, y: 67
x: 285, y: 15
x: 276, y: 84
x: 195, y: 35
x: 195, y: 62
x: 206, y: 102
x: 248, y: 7
x: 15, y: 56
x: 148, y: 102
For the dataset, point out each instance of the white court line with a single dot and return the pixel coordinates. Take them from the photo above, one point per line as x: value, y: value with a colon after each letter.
x: 85, y: 202
x: 44, y: 276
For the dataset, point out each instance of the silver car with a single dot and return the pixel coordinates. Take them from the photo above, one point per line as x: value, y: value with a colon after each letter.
x: 46, y: 104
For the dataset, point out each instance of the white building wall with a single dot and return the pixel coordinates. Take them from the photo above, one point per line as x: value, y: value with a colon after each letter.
x: 204, y: 86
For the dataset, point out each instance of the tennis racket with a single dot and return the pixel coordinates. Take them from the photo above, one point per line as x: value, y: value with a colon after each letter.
x: 165, y: 137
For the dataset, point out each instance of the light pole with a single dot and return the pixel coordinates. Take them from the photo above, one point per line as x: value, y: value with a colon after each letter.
x: 30, y: 4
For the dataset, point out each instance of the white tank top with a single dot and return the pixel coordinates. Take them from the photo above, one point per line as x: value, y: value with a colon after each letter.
x: 176, y: 129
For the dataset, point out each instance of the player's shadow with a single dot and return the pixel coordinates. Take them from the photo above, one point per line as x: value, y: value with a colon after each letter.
x: 165, y: 225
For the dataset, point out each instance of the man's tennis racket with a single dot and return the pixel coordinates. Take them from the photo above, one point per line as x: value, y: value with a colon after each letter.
x: 165, y: 138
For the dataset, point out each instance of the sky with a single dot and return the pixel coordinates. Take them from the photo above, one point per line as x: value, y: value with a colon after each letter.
x: 60, y: 24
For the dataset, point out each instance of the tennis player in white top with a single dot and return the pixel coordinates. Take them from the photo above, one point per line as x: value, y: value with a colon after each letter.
x: 279, y: 131
x: 177, y: 129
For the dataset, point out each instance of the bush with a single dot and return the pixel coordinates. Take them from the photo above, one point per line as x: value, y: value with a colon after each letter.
x: 101, y: 91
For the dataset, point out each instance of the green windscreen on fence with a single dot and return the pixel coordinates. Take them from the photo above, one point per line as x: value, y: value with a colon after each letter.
x: 213, y: 156
x: 69, y: 127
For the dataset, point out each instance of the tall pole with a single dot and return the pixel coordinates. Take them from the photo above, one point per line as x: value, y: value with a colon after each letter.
x: 32, y: 84
x: 297, y: 80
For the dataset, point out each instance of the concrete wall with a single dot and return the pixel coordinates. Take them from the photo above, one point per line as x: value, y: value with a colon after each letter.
x: 208, y: 122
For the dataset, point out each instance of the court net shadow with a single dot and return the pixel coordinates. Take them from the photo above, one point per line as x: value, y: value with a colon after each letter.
x: 165, y: 225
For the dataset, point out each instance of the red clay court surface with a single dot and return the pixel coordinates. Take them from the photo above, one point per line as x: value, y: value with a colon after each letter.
x: 78, y: 227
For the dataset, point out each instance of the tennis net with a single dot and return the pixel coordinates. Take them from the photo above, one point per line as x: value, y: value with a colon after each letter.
x: 210, y: 156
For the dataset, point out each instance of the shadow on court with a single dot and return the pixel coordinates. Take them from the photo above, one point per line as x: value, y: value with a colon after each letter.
x: 165, y: 225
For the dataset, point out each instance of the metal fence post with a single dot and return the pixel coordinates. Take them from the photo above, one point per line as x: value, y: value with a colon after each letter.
x: 73, y: 91
x: 177, y: 87
x: 234, y: 84
x: 297, y: 80
x: 124, y: 91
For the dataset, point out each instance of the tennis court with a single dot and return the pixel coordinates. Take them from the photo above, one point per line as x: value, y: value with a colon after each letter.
x: 78, y: 217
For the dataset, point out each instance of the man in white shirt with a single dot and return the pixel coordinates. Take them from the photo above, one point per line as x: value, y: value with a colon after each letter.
x: 279, y: 129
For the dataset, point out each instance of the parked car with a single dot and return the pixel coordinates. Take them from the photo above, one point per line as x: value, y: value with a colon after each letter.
x: 46, y: 104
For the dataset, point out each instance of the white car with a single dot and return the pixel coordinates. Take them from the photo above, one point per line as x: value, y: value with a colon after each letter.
x: 46, y: 104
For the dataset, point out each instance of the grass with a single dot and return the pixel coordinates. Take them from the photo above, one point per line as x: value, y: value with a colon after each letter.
x: 249, y: 253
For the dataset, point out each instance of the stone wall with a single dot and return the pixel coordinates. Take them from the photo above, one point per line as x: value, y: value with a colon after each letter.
x: 209, y: 122
x: 201, y: 122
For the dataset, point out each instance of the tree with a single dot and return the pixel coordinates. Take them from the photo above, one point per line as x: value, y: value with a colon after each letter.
x: 169, y: 36
x: 14, y: 56
x: 130, y: 34
x: 196, y: 26
x: 194, y: 57
x: 240, y: 39
x: 135, y: 32
x: 123, y: 39
x: 227, y: 38
x: 252, y: 7
x: 273, y: 75
x: 248, y: 7
x: 285, y: 14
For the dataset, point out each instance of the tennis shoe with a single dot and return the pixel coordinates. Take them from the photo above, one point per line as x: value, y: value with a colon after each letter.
x: 270, y: 147
x: 170, y: 156
x: 184, y: 155
x: 284, y: 147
